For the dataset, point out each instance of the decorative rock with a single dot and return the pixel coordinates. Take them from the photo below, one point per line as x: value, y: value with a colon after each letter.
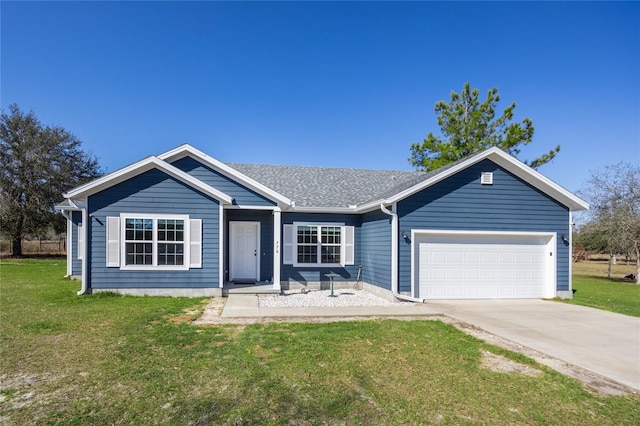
x: 320, y: 298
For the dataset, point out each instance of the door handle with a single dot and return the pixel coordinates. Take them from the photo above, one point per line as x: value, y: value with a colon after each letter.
x: 255, y: 252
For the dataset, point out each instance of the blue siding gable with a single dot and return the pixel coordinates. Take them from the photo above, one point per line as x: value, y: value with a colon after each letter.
x: 242, y: 195
x: 460, y: 202
x: 153, y: 192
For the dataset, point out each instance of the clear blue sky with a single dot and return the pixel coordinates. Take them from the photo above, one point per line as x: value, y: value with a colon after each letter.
x: 331, y: 84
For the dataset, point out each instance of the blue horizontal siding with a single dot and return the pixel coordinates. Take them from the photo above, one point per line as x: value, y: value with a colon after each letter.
x: 375, y: 246
x: 266, y: 238
x: 314, y: 273
x: 153, y: 192
x: 242, y: 195
x: 76, y: 264
x: 460, y: 202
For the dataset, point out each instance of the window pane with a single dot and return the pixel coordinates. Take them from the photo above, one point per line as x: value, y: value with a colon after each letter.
x: 170, y: 230
x: 308, y: 254
x: 330, y: 234
x: 330, y: 254
x: 138, y: 229
x: 170, y: 254
x: 307, y: 235
x: 139, y: 253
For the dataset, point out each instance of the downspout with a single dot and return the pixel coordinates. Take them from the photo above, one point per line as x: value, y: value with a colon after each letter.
x: 570, y: 257
x: 395, y: 285
x: 85, y: 230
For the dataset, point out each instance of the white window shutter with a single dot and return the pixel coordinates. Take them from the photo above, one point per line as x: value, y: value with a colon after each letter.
x: 113, y: 242
x: 195, y: 243
x: 349, y: 245
x: 80, y: 230
x: 287, y: 244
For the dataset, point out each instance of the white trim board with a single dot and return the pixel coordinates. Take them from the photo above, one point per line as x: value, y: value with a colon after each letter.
x: 140, y: 167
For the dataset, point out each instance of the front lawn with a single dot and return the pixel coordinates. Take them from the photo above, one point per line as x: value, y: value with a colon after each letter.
x: 107, y: 359
x: 609, y: 294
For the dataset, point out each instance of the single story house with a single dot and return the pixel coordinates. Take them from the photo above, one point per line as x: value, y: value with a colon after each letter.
x: 185, y: 223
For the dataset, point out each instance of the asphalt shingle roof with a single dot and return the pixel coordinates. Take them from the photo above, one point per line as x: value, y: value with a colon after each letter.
x: 331, y: 187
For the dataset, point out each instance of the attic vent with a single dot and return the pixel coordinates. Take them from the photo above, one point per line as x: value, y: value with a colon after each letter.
x: 486, y: 178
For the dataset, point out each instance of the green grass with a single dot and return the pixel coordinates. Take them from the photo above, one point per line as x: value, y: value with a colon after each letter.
x: 610, y: 294
x: 108, y: 359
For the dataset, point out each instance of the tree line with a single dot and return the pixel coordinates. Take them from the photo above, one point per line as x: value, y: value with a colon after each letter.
x: 38, y: 163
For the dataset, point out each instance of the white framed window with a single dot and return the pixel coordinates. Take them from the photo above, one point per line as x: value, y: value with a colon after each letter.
x: 151, y: 241
x: 318, y: 244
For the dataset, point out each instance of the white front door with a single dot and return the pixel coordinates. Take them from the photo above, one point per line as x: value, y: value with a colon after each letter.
x: 244, y: 251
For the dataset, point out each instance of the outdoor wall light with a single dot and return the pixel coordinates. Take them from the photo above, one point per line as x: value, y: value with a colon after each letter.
x: 564, y: 239
x: 404, y: 234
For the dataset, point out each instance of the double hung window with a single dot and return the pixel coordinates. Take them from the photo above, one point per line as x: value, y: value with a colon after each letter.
x: 147, y: 241
x: 154, y: 241
x: 308, y: 244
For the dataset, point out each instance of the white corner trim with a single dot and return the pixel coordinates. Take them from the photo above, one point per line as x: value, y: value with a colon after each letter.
x: 188, y: 150
x: 140, y: 167
x: 570, y: 251
x: 221, y: 251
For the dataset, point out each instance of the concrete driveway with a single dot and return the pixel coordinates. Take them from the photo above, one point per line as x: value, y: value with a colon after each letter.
x: 602, y: 342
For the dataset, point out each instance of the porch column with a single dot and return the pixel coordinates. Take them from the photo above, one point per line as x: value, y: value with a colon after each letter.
x: 276, y: 248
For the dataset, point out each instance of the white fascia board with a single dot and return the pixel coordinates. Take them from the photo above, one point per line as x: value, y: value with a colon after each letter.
x: 187, y: 150
x: 247, y: 207
x: 140, y: 167
x: 347, y: 210
x: 512, y: 165
x: 369, y: 207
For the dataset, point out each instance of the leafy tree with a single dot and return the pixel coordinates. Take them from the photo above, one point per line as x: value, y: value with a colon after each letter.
x: 613, y: 224
x: 469, y: 126
x: 37, y: 164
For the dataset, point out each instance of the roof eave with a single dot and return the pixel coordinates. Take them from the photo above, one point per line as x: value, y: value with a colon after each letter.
x: 347, y: 210
x: 140, y: 167
x: 512, y: 165
x: 188, y: 150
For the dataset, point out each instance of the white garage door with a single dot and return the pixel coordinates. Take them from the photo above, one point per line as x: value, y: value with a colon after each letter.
x: 485, y: 266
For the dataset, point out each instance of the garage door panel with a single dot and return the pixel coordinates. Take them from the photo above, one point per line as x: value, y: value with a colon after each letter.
x: 488, y: 258
x: 472, y: 258
x: 482, y: 266
x: 472, y: 275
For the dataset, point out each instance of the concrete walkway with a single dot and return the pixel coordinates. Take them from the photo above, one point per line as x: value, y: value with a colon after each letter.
x: 247, y: 306
x: 604, y: 343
